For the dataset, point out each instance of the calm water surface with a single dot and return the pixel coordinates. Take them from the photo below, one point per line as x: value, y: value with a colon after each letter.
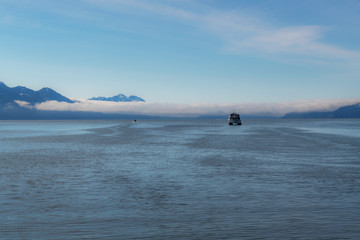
x: 191, y: 179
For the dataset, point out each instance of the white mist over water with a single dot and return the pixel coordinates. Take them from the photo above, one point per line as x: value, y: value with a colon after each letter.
x: 196, y: 109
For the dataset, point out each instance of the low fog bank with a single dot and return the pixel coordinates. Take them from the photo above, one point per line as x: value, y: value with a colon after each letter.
x: 194, y: 110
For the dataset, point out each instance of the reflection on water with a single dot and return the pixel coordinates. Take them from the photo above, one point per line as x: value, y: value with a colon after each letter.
x: 347, y: 127
x: 268, y: 179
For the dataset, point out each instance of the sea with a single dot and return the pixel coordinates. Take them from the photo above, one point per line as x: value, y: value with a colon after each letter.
x: 180, y: 179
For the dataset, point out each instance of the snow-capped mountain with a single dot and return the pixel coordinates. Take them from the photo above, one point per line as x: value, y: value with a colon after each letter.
x: 119, y: 98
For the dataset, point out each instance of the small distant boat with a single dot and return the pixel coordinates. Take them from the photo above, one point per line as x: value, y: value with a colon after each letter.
x: 135, y: 121
x: 234, y: 119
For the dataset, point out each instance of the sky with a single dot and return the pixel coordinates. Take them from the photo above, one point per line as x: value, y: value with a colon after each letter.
x: 195, y: 54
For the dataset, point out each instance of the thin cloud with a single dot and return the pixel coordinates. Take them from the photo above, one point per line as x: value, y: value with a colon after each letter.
x: 241, y: 33
x: 23, y: 104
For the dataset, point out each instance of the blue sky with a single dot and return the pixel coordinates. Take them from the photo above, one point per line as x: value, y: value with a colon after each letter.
x: 184, y: 51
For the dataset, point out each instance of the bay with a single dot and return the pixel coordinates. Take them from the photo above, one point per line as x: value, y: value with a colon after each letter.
x: 180, y: 179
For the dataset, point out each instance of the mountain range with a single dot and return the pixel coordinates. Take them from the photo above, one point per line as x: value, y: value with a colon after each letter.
x: 9, y: 97
x: 11, y: 108
x: 12, y: 99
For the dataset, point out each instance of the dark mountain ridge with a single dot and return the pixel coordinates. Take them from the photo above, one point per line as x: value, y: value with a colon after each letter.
x: 8, y: 95
x: 351, y: 111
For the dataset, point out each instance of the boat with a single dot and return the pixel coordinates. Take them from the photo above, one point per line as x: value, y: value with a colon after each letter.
x: 234, y: 119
